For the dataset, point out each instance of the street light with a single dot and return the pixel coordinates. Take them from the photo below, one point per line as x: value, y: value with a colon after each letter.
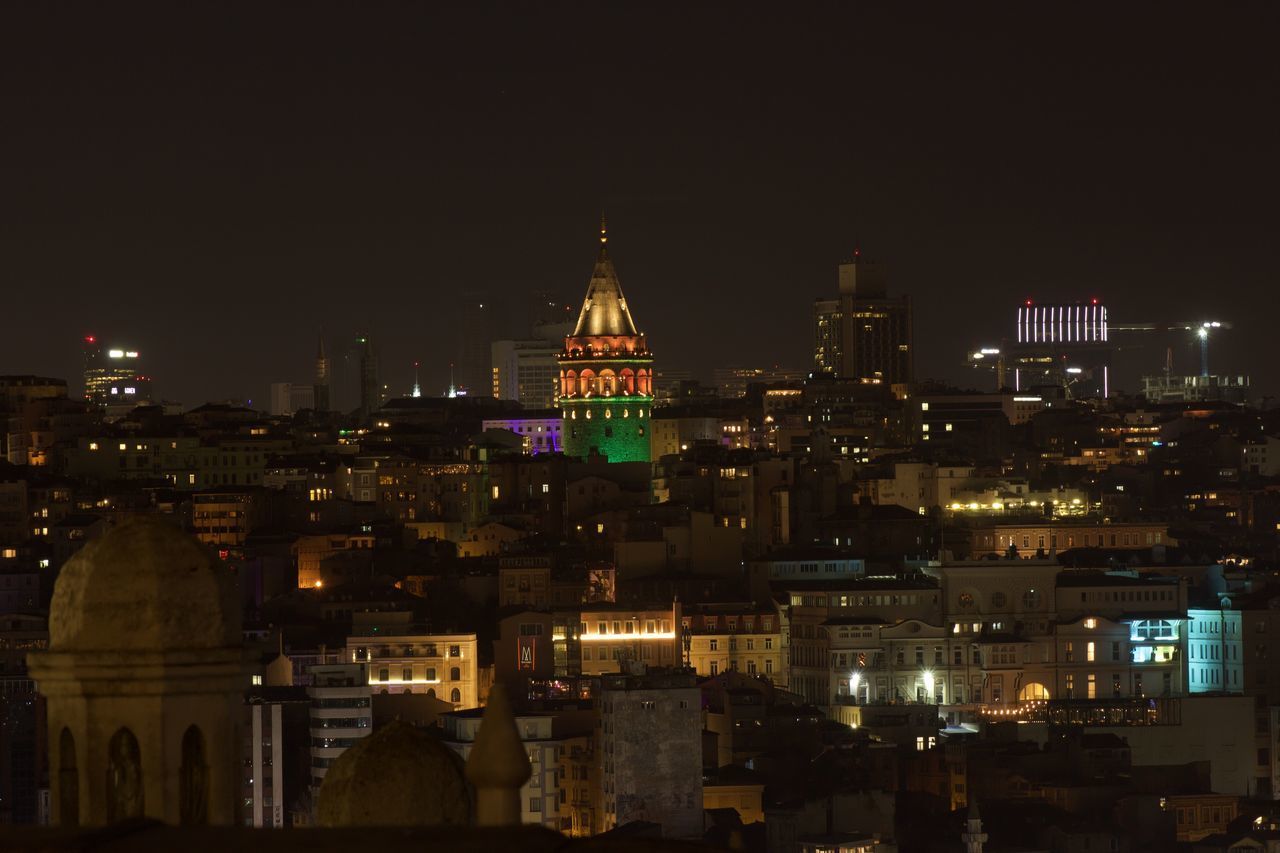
x: 854, y: 681
x: 928, y: 683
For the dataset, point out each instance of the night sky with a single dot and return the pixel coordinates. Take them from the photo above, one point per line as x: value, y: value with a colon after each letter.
x: 212, y: 183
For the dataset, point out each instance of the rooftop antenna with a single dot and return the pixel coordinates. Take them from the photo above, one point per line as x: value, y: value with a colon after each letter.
x: 417, y: 387
x: 453, y: 389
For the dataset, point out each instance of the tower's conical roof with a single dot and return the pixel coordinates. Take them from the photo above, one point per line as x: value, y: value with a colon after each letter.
x: 604, y: 312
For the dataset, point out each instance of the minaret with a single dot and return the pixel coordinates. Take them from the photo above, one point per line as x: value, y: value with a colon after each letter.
x: 606, y: 373
x: 973, y: 837
x: 321, y: 386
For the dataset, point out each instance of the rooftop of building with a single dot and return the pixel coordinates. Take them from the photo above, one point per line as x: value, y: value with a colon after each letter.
x: 854, y: 584
x: 1097, y: 577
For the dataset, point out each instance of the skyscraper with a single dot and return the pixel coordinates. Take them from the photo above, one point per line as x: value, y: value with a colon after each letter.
x: 370, y: 390
x: 864, y: 333
x: 321, y: 396
x: 475, y: 333
x: 606, y: 373
x: 111, y: 374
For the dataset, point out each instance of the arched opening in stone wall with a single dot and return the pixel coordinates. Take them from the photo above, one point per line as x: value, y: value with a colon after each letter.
x: 455, y: 674
x: 194, y: 787
x: 1032, y: 692
x: 125, y: 794
x: 456, y: 696
x: 68, y: 780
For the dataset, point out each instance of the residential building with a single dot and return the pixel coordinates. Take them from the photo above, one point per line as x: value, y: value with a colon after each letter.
x: 650, y: 751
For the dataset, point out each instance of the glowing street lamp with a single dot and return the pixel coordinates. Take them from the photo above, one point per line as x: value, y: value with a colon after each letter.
x: 928, y: 683
x: 854, y: 681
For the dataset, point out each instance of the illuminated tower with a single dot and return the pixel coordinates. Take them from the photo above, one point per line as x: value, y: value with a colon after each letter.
x: 606, y: 373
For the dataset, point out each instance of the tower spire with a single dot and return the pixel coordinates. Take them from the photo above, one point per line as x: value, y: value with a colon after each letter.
x: 417, y: 386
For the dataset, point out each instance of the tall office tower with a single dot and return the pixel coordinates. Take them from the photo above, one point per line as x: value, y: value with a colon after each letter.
x: 606, y: 373
x: 529, y: 370
x: 111, y: 374
x: 864, y: 333
x: 475, y: 332
x: 321, y: 395
x: 370, y: 390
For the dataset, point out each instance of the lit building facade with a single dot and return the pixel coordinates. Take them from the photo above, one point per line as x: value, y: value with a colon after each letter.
x: 441, y: 665
x: 745, y: 639
x: 609, y: 637
x: 539, y: 434
x: 995, y: 539
x: 540, y: 797
x: 341, y: 713
x: 606, y: 374
x: 526, y: 371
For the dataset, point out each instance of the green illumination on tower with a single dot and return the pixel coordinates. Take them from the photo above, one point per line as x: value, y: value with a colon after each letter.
x: 606, y: 373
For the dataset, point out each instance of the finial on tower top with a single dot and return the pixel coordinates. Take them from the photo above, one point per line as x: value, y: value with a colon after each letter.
x: 604, y: 230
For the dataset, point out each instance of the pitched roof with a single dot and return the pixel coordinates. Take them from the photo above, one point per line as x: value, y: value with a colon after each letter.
x: 604, y: 311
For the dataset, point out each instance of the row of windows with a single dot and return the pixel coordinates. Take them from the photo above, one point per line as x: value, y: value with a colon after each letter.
x: 714, y: 644
x: 629, y: 626
x: 406, y: 674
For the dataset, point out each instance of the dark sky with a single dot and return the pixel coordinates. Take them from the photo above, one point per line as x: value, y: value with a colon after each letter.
x: 211, y: 183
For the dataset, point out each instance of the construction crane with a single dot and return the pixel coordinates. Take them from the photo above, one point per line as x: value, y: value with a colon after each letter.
x: 1200, y: 328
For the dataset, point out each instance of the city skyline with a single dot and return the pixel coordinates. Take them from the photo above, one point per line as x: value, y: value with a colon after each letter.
x: 233, y: 202
x: 809, y: 428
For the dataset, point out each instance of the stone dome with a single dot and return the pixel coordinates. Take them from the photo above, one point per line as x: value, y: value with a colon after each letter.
x: 145, y: 586
x: 397, y: 776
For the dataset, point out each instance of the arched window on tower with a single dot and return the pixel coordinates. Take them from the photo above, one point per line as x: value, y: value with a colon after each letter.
x: 455, y: 696
x: 194, y: 787
x: 68, y: 780
x: 608, y: 382
x: 455, y: 674
x: 587, y: 383
x: 570, y: 385
x: 628, y: 377
x: 125, y: 797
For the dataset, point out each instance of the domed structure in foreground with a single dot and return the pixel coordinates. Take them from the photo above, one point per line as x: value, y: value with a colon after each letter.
x: 145, y: 585
x: 397, y: 776
x: 144, y: 678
